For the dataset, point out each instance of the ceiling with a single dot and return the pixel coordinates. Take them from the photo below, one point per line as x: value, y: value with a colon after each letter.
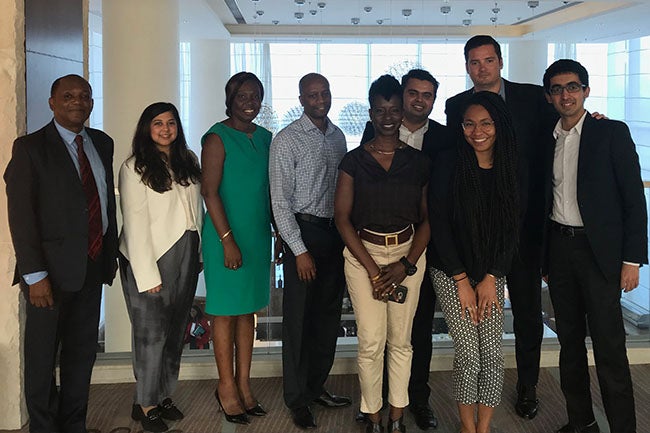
x: 571, y: 21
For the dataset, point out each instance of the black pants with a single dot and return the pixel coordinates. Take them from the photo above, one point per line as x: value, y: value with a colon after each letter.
x: 525, y: 289
x: 72, y: 323
x: 419, y: 390
x: 580, y: 291
x: 311, y: 315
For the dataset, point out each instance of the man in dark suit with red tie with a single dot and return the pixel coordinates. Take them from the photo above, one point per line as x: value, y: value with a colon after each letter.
x: 595, y: 240
x: 61, y: 206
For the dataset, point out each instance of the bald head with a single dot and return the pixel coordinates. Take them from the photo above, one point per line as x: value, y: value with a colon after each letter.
x: 310, y: 78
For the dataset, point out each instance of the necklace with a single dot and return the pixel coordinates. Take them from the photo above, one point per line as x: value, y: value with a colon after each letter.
x: 382, y: 152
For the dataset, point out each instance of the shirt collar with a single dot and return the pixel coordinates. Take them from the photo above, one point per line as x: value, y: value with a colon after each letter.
x: 422, y: 130
x: 308, y: 125
x: 502, y: 89
x: 67, y: 135
x: 558, y: 131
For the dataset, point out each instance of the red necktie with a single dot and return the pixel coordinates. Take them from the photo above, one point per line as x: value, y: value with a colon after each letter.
x: 92, y: 198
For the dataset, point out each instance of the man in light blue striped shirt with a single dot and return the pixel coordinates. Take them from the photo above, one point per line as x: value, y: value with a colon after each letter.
x: 303, y: 167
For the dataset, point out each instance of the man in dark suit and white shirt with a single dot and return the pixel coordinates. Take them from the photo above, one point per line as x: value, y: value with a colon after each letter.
x: 531, y: 115
x: 61, y: 206
x: 420, y: 132
x: 595, y: 241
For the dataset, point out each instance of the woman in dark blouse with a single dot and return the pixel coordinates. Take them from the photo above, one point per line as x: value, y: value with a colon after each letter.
x: 381, y: 213
x: 474, y: 208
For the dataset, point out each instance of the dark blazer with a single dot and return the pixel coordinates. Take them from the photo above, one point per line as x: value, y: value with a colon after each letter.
x: 610, y: 195
x: 47, y: 209
x: 531, y: 115
x: 436, y: 139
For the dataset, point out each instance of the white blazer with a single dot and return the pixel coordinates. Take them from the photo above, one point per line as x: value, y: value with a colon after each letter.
x: 153, y: 222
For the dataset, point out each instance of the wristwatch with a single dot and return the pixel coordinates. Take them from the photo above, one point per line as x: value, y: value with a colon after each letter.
x: 410, y: 268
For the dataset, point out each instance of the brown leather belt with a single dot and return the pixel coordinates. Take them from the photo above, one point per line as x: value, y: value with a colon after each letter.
x: 387, y: 240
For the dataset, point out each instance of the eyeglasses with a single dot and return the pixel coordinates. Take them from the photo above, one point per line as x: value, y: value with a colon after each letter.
x: 572, y: 87
x: 485, y: 125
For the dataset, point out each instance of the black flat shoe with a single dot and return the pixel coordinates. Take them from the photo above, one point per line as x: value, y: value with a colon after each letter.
x: 374, y: 427
x: 330, y: 400
x: 256, y: 410
x: 395, y: 426
x: 240, y: 418
x: 303, y: 418
x: 527, y: 402
x: 423, y: 415
x: 151, y: 421
x: 169, y: 411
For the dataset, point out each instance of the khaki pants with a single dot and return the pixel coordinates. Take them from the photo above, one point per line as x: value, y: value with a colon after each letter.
x: 383, y: 324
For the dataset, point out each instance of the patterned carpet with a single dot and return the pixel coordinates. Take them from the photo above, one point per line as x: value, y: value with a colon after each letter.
x: 110, y: 407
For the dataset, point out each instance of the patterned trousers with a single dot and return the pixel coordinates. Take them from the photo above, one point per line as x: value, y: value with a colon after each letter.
x: 478, y: 355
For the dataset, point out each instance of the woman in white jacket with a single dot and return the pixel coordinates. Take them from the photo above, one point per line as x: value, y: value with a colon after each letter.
x: 159, y: 256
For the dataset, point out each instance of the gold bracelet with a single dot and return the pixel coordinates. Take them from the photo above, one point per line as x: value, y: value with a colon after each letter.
x: 228, y: 233
x: 375, y: 278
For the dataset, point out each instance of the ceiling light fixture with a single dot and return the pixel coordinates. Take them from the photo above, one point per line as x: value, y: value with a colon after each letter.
x: 445, y: 9
x: 380, y: 22
x: 533, y: 4
x: 355, y: 20
x: 467, y: 22
x: 313, y: 11
x: 275, y: 22
x: 367, y: 9
x: 298, y: 15
x: 299, y: 2
x: 407, y: 12
x: 469, y: 11
x: 321, y: 5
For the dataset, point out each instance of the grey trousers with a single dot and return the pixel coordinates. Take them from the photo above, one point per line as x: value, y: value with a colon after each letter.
x: 158, y: 320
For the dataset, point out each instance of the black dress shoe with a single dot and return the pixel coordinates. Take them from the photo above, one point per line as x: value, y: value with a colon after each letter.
x: 151, y: 421
x: 374, y: 427
x: 303, y: 418
x: 423, y: 415
x: 589, y: 428
x: 361, y: 417
x: 527, y: 402
x: 330, y: 400
x: 396, y: 426
x: 169, y: 411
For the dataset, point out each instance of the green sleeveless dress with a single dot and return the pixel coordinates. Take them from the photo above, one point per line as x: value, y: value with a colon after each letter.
x: 244, y: 191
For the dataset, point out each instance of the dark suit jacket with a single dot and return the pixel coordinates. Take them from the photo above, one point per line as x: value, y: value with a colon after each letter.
x: 532, y: 116
x: 436, y: 139
x: 47, y: 209
x: 610, y: 195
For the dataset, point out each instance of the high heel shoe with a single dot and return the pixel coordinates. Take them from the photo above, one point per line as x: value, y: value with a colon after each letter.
x: 240, y: 418
x: 256, y: 410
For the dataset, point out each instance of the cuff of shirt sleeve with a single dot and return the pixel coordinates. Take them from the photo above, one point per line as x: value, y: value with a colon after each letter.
x: 35, y: 277
x: 631, y: 263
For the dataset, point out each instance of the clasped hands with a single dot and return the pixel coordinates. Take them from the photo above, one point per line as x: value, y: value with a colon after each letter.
x: 386, y: 280
x: 477, y: 304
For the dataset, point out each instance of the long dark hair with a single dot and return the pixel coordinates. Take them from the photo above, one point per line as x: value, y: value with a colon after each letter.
x: 493, y: 224
x: 153, y: 165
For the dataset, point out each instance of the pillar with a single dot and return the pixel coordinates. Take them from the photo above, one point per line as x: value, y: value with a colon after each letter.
x: 141, y: 66
x: 13, y: 413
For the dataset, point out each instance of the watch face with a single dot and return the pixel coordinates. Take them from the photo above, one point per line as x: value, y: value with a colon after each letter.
x: 411, y: 270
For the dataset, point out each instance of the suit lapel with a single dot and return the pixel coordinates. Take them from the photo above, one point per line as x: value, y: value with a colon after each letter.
x: 586, y: 137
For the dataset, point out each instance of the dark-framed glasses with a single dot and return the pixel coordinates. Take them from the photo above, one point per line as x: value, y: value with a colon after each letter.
x: 484, y: 125
x: 572, y: 87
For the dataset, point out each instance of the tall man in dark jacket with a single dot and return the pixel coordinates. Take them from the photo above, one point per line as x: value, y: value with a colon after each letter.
x: 61, y: 205
x: 531, y: 115
x: 596, y: 238
x: 429, y: 136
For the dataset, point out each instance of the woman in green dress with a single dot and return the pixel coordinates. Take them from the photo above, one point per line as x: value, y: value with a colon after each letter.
x: 236, y: 240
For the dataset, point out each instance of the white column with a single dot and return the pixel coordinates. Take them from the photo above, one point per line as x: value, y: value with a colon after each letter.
x: 527, y: 61
x: 13, y: 413
x: 210, y: 70
x: 141, y: 66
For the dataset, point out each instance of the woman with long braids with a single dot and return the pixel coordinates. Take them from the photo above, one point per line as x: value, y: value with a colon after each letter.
x: 162, y: 209
x: 474, y: 215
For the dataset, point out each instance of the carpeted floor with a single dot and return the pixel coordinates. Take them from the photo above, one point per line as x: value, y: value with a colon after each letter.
x: 110, y: 407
